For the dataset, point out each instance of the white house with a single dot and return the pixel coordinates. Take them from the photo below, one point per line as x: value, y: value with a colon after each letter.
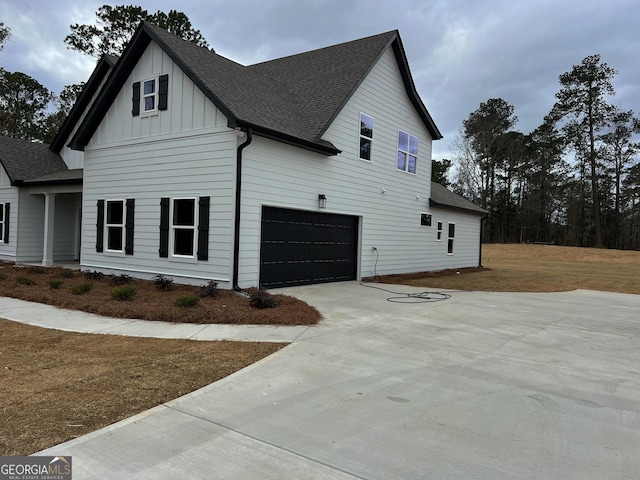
x: 310, y: 168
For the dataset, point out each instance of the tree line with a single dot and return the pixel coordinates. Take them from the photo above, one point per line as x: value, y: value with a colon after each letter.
x: 574, y: 180
x: 30, y: 111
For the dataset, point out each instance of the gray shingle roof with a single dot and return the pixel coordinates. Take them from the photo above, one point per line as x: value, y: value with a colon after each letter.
x: 444, y: 198
x: 293, y: 99
x: 66, y: 177
x: 24, y: 160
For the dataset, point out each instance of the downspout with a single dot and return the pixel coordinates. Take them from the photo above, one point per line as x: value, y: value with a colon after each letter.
x: 236, y: 226
x: 481, y: 231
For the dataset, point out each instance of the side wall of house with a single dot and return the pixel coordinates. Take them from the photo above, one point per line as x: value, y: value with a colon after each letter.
x: 466, y: 240
x: 30, y: 227
x: 389, y: 202
x: 9, y: 194
x: 185, y: 151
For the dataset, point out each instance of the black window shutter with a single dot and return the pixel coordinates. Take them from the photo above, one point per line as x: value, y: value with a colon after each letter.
x: 6, y: 222
x: 163, y: 92
x: 100, y: 227
x: 164, y: 227
x: 203, y: 228
x: 135, y: 107
x: 128, y: 236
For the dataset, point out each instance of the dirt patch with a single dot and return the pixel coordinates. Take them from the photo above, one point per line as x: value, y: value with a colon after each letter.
x: 56, y: 286
x: 537, y: 268
x: 57, y: 385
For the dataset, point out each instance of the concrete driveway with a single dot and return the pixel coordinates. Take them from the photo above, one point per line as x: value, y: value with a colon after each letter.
x: 479, y: 386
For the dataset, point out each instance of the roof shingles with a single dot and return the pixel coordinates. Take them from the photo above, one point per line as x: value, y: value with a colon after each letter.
x: 24, y: 160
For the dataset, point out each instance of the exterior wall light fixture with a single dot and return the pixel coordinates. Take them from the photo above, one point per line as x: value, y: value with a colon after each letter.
x: 322, y: 201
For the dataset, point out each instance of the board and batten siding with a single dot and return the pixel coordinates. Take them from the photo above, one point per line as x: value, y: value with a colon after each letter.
x: 187, y: 150
x: 388, y: 202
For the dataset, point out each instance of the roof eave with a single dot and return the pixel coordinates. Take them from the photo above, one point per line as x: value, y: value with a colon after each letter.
x: 434, y: 204
x: 43, y: 183
x: 325, y: 149
x: 105, y: 64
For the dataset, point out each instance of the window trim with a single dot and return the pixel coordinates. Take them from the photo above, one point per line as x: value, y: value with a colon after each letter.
x: 115, y: 225
x: 144, y: 96
x: 364, y: 137
x: 173, y: 228
x: 439, y: 231
x: 407, y: 153
x: 3, y: 222
x: 451, y: 238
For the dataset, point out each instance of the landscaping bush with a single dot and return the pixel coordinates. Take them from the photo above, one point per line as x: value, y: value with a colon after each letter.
x: 25, y: 281
x: 81, y: 288
x: 162, y: 283
x: 123, y: 292
x: 37, y: 269
x: 122, y: 279
x: 55, y: 284
x: 187, y: 301
x: 209, y: 290
x: 94, y: 275
x: 67, y: 274
x: 262, y: 299
x: 2, y: 276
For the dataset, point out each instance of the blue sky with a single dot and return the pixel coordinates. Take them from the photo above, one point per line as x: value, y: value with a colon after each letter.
x: 460, y: 52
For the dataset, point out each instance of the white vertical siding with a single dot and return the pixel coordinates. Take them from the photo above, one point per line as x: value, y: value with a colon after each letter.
x: 188, y: 109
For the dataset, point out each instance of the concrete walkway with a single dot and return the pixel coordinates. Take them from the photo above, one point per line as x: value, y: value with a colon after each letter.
x: 75, y: 321
x: 479, y: 386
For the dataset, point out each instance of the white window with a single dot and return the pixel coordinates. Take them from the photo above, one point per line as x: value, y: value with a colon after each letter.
x: 366, y: 136
x: 150, y: 95
x: 407, y: 152
x: 452, y: 234
x: 114, y: 225
x: 183, y: 227
x: 2, y: 222
x: 439, y: 232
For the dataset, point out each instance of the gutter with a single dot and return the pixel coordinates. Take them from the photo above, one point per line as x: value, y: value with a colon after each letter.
x: 236, y: 226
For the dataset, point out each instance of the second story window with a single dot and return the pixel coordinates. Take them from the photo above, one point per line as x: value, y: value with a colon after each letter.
x: 366, y: 136
x: 407, y: 152
x: 149, y: 95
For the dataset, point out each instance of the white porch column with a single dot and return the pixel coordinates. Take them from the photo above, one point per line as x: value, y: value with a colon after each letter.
x: 49, y: 216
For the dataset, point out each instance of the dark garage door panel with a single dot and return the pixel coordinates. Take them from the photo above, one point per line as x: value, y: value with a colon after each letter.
x: 301, y: 248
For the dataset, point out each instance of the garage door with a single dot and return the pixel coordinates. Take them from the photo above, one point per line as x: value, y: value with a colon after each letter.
x: 301, y: 248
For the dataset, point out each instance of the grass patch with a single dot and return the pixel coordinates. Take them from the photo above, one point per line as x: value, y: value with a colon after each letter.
x: 55, y: 383
x: 537, y: 268
x: 215, y: 306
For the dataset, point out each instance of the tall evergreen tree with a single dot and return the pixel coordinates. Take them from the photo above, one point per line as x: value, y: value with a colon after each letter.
x: 582, y: 104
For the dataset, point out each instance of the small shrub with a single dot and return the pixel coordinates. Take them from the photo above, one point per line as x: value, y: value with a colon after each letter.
x: 94, y: 275
x: 162, y: 283
x: 123, y: 292
x: 81, y: 288
x: 2, y: 276
x: 263, y: 299
x: 122, y: 279
x: 209, y: 290
x: 187, y: 301
x: 36, y: 269
x: 67, y: 274
x: 55, y: 284
x: 25, y: 281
